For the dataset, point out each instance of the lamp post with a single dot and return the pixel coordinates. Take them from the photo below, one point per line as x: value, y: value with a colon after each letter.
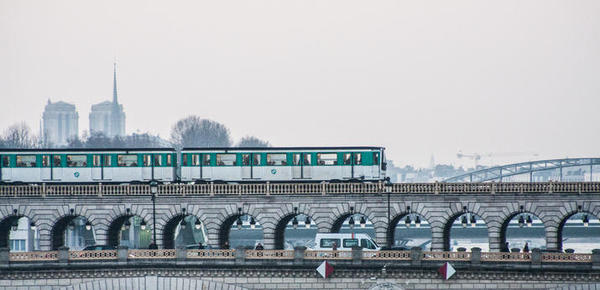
x: 154, y: 190
x: 388, y: 190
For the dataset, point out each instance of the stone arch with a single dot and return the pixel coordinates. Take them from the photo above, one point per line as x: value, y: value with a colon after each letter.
x: 571, y: 211
x: 5, y: 226
x: 456, y: 210
x: 285, y: 218
x: 230, y: 214
x: 58, y: 230
x: 523, y: 209
x: 118, y: 216
x: 391, y: 230
x: 348, y: 209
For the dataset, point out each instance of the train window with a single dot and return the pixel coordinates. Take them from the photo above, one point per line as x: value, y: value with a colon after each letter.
x: 307, y: 159
x: 206, y: 159
x: 96, y: 160
x: 245, y: 159
x: 76, y: 160
x: 45, y: 161
x: 375, y: 158
x: 157, y: 160
x: 277, y: 159
x: 255, y: 159
x: 195, y: 159
x: 127, y: 160
x: 169, y: 159
x: 184, y: 159
x: 296, y: 159
x: 56, y: 162
x: 347, y: 158
x: 147, y: 160
x: 107, y: 160
x: 5, y: 161
x: 225, y: 159
x: 25, y: 160
x: 327, y: 159
x: 357, y: 158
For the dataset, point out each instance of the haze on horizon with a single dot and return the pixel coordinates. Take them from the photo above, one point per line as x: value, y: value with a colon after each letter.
x: 418, y: 77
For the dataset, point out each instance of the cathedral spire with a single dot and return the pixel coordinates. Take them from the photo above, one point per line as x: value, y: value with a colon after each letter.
x: 115, y: 101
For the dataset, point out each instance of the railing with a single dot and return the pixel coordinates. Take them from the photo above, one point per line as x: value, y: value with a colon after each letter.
x: 328, y: 255
x: 446, y: 256
x: 210, y: 254
x: 33, y: 256
x: 171, y: 254
x: 505, y: 257
x: 151, y: 254
x: 93, y: 255
x: 298, y: 188
x: 387, y: 255
x: 270, y: 254
x: 566, y: 258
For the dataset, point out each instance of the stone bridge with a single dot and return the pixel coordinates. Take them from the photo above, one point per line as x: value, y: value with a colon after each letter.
x: 51, y: 207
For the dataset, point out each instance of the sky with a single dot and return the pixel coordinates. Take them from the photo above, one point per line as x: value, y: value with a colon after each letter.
x: 517, y: 79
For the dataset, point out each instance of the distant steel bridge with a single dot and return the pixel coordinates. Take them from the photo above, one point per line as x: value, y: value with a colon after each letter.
x: 497, y: 173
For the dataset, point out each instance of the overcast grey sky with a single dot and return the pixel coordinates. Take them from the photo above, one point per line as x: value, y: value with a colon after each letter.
x: 418, y: 77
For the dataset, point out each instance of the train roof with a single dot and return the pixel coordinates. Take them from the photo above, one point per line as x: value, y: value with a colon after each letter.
x: 280, y: 148
x: 83, y: 149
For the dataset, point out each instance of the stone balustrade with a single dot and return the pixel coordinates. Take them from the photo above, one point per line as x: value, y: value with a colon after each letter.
x: 297, y: 188
x: 298, y: 255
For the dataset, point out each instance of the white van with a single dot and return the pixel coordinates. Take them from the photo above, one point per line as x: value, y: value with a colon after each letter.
x: 345, y: 242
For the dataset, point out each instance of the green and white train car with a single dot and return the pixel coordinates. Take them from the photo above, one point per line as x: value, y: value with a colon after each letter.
x: 282, y: 164
x: 87, y: 165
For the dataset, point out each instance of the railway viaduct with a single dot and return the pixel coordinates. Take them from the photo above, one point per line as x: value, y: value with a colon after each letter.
x: 51, y: 207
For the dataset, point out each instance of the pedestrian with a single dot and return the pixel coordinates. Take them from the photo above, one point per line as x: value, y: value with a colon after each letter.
x: 259, y: 247
x: 200, y: 246
x: 226, y: 245
x: 526, y: 248
x: 334, y: 248
x: 506, y: 247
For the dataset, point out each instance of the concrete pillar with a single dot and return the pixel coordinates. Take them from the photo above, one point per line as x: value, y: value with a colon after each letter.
x: 122, y: 253
x: 269, y: 238
x: 475, y: 256
x: 551, y: 237
x: 536, y: 257
x: 101, y: 232
x: 381, y: 233
x: 63, y: 254
x: 494, y: 234
x: 240, y: 255
x: 299, y: 254
x: 181, y: 253
x: 437, y: 237
x: 356, y: 255
x: 416, y: 255
x: 45, y: 239
x: 596, y: 259
x: 4, y: 256
x: 212, y: 237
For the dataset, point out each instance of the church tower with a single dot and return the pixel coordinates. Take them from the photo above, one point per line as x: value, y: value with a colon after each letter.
x: 108, y: 117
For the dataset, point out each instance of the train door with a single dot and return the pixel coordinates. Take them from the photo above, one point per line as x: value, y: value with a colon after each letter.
x: 57, y: 168
x: 196, y: 167
x: 347, y: 166
x: 297, y: 166
x: 306, y: 165
x: 246, y: 166
x: 96, y: 167
x: 206, y: 169
x: 375, y: 166
x: 107, y: 168
x: 46, y: 170
x: 148, y: 167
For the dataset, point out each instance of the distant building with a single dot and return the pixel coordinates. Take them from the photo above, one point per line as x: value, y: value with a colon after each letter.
x: 108, y: 117
x: 60, y: 123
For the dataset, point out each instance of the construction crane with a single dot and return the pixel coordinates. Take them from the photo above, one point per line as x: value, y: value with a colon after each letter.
x: 477, y: 156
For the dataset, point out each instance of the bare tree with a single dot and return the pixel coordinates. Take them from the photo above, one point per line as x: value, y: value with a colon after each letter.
x: 19, y: 136
x: 251, y: 141
x: 196, y: 132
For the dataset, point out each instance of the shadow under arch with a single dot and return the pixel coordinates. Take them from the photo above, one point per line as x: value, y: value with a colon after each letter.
x: 58, y: 230
x: 450, y: 223
x: 225, y: 229
x: 506, y: 223
x: 114, y: 229
x: 391, y: 230
x: 5, y: 226
x: 562, y: 224
x: 281, y: 227
x: 169, y: 231
x: 339, y: 222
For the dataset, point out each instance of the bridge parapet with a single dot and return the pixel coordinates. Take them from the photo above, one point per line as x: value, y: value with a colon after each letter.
x: 297, y: 188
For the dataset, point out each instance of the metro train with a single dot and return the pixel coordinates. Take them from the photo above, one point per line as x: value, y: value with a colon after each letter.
x: 193, y: 165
